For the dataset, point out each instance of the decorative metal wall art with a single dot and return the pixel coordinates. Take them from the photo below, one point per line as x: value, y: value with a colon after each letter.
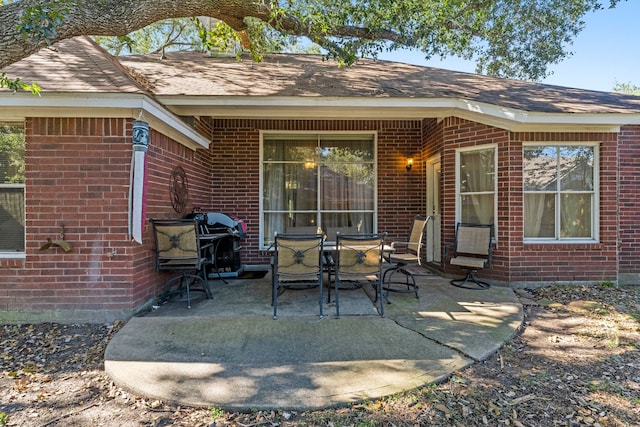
x: 179, y: 189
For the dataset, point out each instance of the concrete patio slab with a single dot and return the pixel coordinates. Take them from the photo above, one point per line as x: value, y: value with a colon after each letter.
x: 229, y: 353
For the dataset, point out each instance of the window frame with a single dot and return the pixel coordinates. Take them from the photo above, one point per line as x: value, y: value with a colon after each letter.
x: 458, y: 201
x: 7, y: 254
x: 595, y: 196
x: 373, y: 135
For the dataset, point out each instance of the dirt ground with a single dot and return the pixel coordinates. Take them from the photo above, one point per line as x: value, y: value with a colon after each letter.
x: 576, y: 362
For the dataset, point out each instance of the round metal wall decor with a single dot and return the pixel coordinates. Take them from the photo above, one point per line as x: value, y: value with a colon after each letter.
x: 178, y: 189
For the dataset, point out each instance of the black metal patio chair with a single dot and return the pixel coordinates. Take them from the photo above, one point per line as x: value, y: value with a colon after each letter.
x: 178, y: 248
x: 297, y: 262
x: 473, y: 252
x: 403, y: 257
x: 359, y: 262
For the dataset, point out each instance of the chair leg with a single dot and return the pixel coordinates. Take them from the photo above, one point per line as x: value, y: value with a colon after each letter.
x: 470, y: 282
x: 185, y: 278
x: 379, y: 291
x: 184, y: 282
x: 205, y: 283
x: 390, y: 272
x: 411, y: 287
x: 274, y: 298
x: 337, y: 298
x: 274, y: 301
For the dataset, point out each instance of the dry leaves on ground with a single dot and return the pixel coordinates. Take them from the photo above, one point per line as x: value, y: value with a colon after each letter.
x: 576, y: 362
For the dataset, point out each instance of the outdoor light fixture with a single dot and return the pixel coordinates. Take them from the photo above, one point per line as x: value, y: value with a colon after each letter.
x: 409, y: 163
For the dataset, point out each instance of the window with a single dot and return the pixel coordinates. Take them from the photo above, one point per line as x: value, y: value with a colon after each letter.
x: 476, y: 185
x: 311, y: 180
x: 11, y: 188
x: 559, y: 192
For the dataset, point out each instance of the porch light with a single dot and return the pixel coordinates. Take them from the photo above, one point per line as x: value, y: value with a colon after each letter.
x: 409, y: 163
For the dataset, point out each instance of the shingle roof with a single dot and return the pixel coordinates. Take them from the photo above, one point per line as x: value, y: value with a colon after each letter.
x: 74, y: 65
x: 80, y: 65
x: 189, y: 73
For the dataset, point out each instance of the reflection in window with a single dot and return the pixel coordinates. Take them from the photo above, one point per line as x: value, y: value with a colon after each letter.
x: 559, y: 191
x: 477, y: 185
x: 311, y: 181
x: 12, y: 217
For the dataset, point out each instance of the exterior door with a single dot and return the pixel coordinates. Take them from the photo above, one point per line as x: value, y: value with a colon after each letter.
x: 433, y: 208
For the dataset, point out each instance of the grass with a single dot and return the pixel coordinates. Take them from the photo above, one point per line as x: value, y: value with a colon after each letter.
x: 216, y: 412
x: 605, y: 386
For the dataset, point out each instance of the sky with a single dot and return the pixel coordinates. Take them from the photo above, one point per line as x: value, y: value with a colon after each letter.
x: 605, y: 52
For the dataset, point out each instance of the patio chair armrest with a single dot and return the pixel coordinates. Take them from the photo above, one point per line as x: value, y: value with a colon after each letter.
x: 393, y: 244
x: 206, y: 245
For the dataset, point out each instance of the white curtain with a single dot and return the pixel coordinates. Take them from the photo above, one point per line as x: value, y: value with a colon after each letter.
x: 348, y: 189
x: 292, y: 168
x: 533, y: 212
x: 478, y: 176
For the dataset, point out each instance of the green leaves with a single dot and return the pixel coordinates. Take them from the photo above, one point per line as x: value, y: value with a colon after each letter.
x: 627, y: 88
x: 41, y: 21
x: 508, y: 38
x: 16, y: 84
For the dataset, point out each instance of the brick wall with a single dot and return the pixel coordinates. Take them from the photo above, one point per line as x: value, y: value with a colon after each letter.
x: 77, y: 176
x: 235, y: 151
x: 628, y: 204
x: 515, y: 262
x: 587, y: 262
x: 460, y: 133
x: 401, y: 194
x: 78, y: 171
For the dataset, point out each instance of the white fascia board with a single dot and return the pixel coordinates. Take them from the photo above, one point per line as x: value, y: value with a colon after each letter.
x: 18, y: 106
x: 394, y: 108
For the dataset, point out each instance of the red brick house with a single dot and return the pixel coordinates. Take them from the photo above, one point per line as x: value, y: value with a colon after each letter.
x: 554, y: 169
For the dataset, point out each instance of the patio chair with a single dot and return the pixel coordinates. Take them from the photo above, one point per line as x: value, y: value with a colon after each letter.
x: 178, y: 247
x: 473, y: 252
x: 329, y: 257
x: 403, y: 256
x: 297, y: 262
x: 359, y: 262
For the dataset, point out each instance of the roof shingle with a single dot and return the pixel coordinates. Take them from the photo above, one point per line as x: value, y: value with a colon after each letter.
x: 74, y: 65
x: 190, y: 73
x: 80, y: 65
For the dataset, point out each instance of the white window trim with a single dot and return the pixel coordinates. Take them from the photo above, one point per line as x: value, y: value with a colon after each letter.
x: 15, y: 254
x: 263, y: 134
x: 595, y: 209
x: 495, y: 182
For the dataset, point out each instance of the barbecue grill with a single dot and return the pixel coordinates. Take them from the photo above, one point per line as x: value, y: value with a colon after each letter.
x: 224, y: 231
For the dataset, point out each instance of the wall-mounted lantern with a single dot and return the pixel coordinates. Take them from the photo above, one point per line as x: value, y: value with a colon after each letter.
x: 409, y: 163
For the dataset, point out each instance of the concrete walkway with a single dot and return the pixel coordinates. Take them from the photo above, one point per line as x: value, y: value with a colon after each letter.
x: 229, y: 352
